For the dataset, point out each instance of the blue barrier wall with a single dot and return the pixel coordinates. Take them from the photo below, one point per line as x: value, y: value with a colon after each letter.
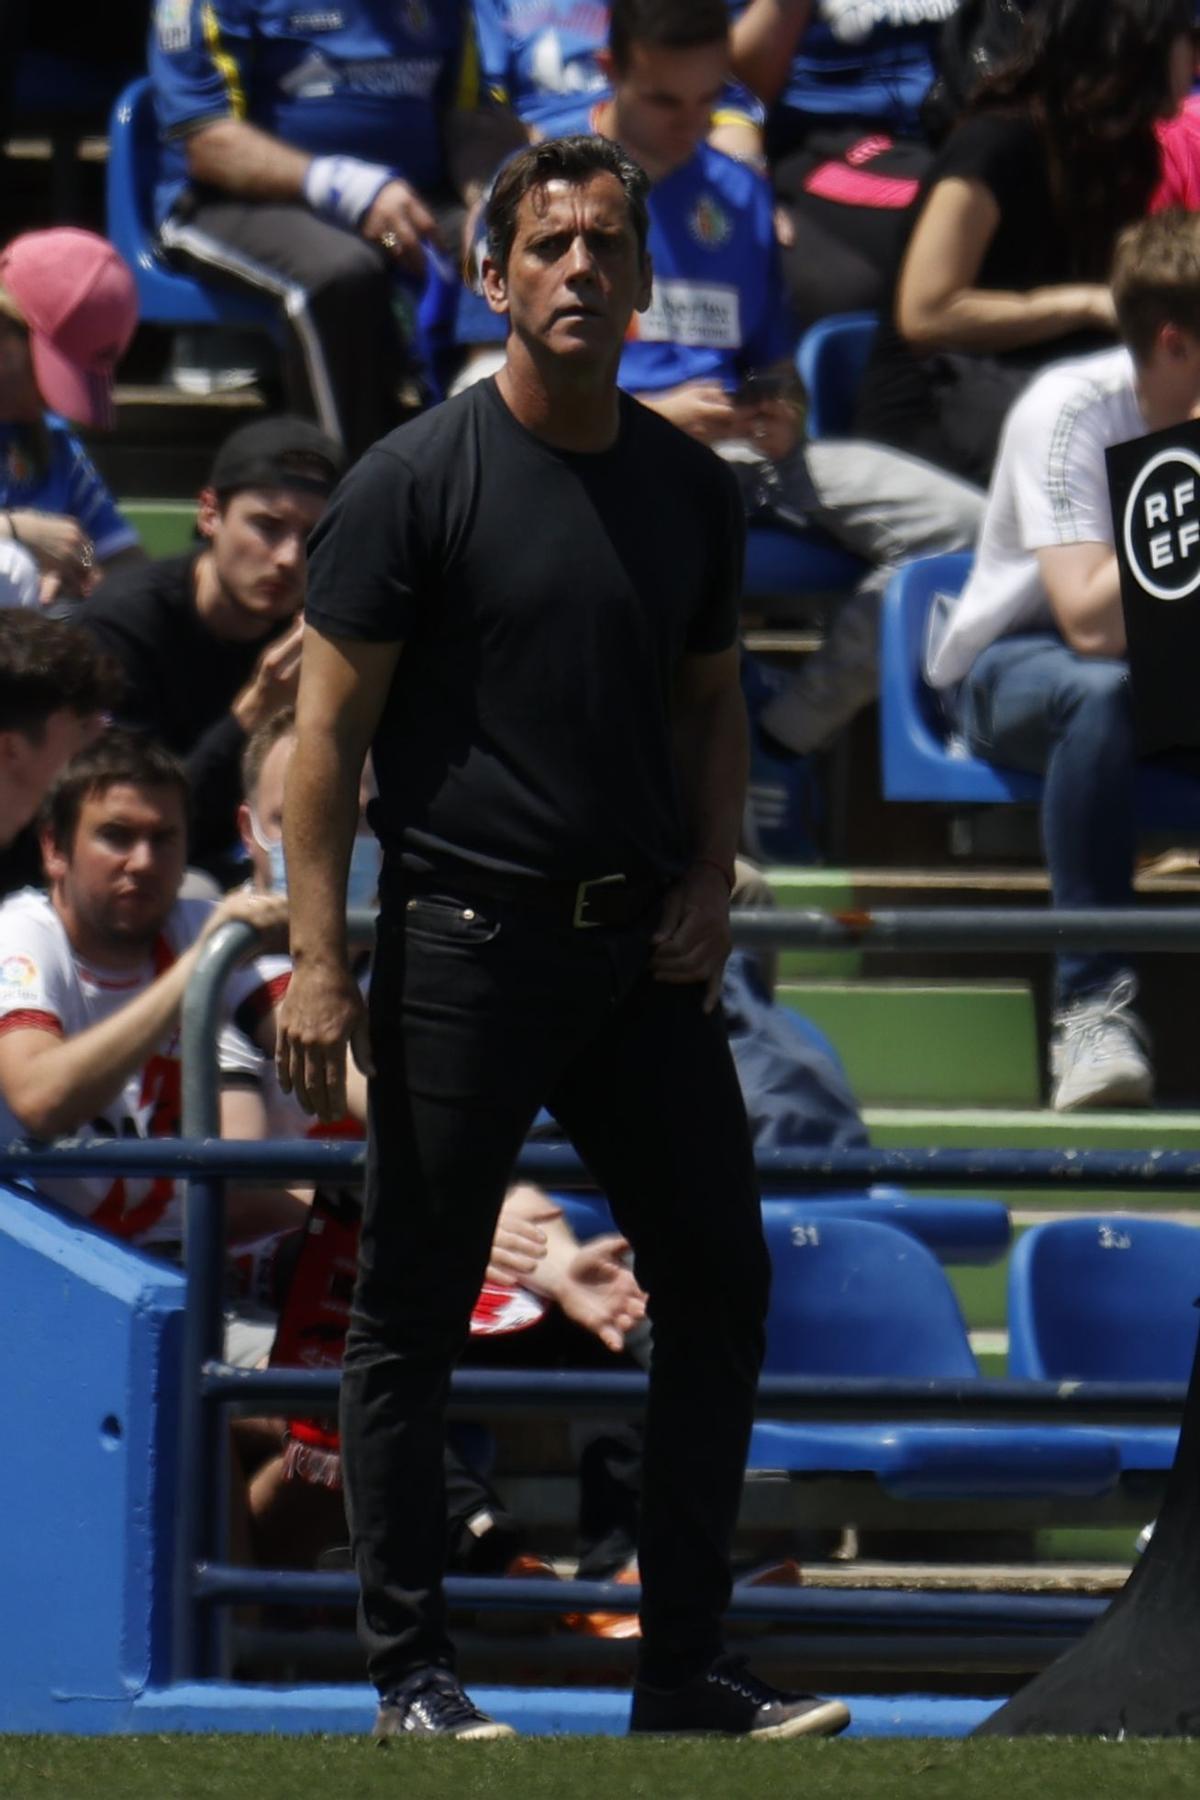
x: 89, y: 1367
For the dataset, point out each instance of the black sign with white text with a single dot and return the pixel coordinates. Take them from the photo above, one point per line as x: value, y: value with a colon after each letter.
x: 1154, y: 489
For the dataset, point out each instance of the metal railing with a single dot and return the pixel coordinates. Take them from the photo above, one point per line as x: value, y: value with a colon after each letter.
x: 205, y: 1581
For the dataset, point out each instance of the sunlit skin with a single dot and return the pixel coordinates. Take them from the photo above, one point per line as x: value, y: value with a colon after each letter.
x: 252, y: 574
x: 114, y: 885
x: 573, y: 281
x: 662, y: 102
x: 29, y: 764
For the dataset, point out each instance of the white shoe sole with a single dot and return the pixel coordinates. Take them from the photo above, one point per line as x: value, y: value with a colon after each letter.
x: 825, y: 1720
x: 1125, y: 1087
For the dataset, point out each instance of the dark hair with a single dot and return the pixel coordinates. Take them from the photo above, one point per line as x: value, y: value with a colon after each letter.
x: 261, y: 742
x: 117, y: 758
x: 46, y: 665
x: 667, y: 24
x: 571, y: 159
x: 1156, y: 279
x: 1094, y: 77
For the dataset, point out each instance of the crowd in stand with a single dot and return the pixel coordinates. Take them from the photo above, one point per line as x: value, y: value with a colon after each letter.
x: 806, y: 157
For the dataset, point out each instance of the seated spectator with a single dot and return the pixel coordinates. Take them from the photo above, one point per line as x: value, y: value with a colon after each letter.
x: 536, y: 1263
x: 314, y: 156
x: 1031, y: 663
x: 844, y: 81
x: 68, y: 308
x: 92, y: 977
x: 1006, y: 267
x: 713, y: 350
x: 54, y: 688
x: 209, y: 642
x: 545, y: 58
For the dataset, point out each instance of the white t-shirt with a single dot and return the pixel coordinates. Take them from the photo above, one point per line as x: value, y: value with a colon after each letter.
x: 45, y: 986
x: 243, y: 1063
x: 1049, y: 487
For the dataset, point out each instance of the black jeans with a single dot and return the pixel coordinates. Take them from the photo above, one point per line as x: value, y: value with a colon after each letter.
x: 480, y: 1013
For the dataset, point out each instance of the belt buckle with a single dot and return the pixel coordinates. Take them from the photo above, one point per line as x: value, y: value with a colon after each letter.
x: 579, y: 917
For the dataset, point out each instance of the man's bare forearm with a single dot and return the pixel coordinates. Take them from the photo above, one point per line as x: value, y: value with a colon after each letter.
x: 320, y: 819
x: 763, y: 42
x: 712, y: 753
x: 242, y: 160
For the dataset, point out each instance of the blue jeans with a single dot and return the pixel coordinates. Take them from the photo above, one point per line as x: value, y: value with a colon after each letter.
x: 1032, y: 703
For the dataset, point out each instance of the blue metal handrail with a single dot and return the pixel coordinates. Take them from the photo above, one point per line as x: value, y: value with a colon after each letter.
x: 207, y: 1384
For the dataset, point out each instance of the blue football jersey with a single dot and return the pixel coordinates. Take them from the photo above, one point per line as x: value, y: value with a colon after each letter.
x: 65, y: 481
x: 718, y: 307
x: 368, y: 78
x: 539, y: 57
x: 869, y: 67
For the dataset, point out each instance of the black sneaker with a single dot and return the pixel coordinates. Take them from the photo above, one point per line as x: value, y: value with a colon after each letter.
x: 729, y: 1699
x: 431, y: 1703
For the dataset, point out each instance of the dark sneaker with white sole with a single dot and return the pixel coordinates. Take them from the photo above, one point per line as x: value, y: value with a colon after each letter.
x: 431, y: 1703
x: 729, y: 1700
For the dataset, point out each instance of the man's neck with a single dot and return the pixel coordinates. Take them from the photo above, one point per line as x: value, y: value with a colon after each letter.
x: 216, y: 607
x: 96, y: 949
x: 580, y: 413
x: 609, y: 123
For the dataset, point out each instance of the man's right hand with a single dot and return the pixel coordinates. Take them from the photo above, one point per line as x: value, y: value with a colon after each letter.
x: 274, y: 683
x: 322, y: 1012
x: 398, y: 221
x: 701, y: 408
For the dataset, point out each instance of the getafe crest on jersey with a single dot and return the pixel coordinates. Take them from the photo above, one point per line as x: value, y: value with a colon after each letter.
x: 709, y: 223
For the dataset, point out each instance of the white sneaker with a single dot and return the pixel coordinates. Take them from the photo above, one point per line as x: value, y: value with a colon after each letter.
x: 1098, y: 1052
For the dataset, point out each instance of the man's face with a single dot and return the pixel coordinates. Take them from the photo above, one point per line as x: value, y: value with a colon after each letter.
x: 116, y: 883
x: 257, y: 539
x: 574, y: 277
x: 664, y: 101
x: 28, y: 765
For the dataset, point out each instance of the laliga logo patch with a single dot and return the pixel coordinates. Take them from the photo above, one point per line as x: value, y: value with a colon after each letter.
x: 709, y: 225
x: 17, y: 972
x: 1162, y: 525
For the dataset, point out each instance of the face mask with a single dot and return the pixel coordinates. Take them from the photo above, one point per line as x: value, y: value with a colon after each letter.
x: 274, y: 851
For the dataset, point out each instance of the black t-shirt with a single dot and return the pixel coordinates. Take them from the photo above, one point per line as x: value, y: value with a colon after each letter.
x: 907, y: 399
x: 180, y: 680
x: 545, y: 601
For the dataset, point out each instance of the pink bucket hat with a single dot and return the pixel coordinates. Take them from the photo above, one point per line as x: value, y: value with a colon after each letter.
x: 79, y: 301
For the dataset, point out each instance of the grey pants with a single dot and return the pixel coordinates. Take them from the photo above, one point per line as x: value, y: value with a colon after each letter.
x: 888, y: 508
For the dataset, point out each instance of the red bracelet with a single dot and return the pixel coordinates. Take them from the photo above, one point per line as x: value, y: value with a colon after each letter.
x: 708, y: 862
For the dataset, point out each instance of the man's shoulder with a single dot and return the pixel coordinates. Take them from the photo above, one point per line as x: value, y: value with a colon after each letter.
x: 30, y: 910
x: 148, y: 586
x: 438, y: 429
x: 694, y: 461
x: 1096, y: 389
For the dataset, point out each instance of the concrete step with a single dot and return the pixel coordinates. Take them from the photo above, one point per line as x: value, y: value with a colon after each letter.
x: 928, y: 1043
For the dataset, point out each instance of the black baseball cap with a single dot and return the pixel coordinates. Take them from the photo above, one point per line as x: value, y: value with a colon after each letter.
x: 282, y: 452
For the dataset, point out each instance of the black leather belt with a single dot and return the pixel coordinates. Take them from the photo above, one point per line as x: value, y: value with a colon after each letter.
x: 602, y: 900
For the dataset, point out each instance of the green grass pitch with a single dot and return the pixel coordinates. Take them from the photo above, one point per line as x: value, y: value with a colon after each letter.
x: 261, y: 1768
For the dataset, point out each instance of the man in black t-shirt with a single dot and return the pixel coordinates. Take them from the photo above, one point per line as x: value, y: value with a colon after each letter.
x: 209, y: 642
x: 525, y: 604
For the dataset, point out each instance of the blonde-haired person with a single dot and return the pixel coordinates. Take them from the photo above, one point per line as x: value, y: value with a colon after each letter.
x: 68, y: 309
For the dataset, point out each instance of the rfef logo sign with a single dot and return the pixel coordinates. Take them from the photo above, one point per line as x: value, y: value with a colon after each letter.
x: 1154, y: 491
x: 1162, y: 525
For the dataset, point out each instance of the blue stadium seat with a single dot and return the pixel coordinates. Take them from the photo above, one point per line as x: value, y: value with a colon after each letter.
x: 797, y: 562
x: 919, y: 761
x: 859, y: 1298
x: 922, y: 761
x: 166, y: 296
x: 1107, y: 1299
x: 954, y: 1230
x: 830, y: 361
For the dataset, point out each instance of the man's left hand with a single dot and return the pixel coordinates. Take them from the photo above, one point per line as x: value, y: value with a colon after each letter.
x: 693, y: 939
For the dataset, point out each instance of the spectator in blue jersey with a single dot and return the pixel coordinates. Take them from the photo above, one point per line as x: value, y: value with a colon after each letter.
x: 545, y: 58
x: 68, y: 309
x: 713, y: 350
x: 314, y: 156
x: 844, y: 81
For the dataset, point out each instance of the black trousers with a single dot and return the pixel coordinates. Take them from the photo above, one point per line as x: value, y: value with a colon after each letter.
x: 480, y: 1013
